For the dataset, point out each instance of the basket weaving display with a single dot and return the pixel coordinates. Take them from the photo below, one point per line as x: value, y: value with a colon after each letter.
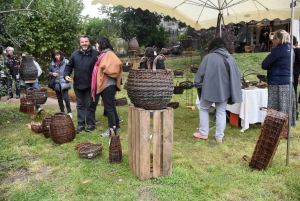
x: 40, y: 94
x: 27, y: 105
x: 173, y: 105
x: 62, y: 129
x: 186, y: 84
x: 178, y: 72
x: 150, y: 89
x: 126, y: 68
x: 90, y: 151
x: 268, y: 140
x: 28, y: 70
x: 121, y: 101
x: 36, y: 125
x: 46, y: 126
x: 115, y: 148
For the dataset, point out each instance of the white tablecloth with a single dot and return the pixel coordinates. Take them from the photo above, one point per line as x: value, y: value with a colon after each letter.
x: 248, y: 110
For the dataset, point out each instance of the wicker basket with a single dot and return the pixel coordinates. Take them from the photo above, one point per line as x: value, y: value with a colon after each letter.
x: 28, y: 70
x: 82, y: 144
x: 36, y: 126
x: 193, y: 69
x: 173, y: 105
x: 46, y: 126
x: 248, y: 48
x: 40, y: 94
x: 27, y: 105
x: 178, y: 72
x: 150, y: 89
x: 268, y: 140
x: 115, y: 148
x: 62, y: 129
x: 126, y: 68
x: 121, y: 101
x: 90, y: 151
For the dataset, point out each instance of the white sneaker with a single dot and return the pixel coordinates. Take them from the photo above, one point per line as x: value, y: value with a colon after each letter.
x: 39, y: 109
x: 105, y: 134
x: 70, y: 114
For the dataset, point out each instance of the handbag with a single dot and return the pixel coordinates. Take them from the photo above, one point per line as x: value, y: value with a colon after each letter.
x: 51, y: 82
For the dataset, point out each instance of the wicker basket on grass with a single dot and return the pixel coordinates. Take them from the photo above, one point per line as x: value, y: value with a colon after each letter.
x: 90, y: 150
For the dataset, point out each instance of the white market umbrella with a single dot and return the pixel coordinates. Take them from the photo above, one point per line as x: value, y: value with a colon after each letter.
x: 202, y: 14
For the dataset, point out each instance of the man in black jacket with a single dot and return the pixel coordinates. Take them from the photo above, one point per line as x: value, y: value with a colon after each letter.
x: 14, y: 73
x: 83, y: 61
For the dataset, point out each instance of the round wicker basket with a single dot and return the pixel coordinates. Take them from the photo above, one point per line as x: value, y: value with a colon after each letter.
x: 150, y: 89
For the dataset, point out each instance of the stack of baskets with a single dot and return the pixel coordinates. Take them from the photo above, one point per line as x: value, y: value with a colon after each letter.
x: 62, y: 129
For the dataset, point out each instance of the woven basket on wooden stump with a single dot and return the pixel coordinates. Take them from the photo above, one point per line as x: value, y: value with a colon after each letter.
x: 150, y: 89
x: 62, y: 129
x: 28, y: 70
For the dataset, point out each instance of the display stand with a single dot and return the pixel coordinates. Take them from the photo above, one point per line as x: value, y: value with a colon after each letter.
x: 150, y: 157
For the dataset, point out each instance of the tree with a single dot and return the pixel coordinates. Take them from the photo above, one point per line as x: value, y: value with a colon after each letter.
x: 45, y: 26
x: 138, y: 23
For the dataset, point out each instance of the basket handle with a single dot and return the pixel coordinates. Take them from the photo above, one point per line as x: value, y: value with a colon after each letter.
x: 39, y: 114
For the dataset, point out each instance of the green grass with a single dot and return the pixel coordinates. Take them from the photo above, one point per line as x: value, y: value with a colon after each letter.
x: 33, y: 167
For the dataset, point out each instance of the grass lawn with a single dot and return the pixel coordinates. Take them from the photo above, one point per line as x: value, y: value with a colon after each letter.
x: 34, y: 168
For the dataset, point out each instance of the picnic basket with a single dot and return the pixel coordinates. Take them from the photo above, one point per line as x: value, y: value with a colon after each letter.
x: 62, y: 129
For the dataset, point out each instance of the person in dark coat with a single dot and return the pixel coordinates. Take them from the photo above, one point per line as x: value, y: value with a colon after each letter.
x: 82, y: 62
x: 217, y: 84
x: 277, y: 64
x: 264, y: 38
x: 56, y: 69
x: 14, y: 73
x: 296, y: 69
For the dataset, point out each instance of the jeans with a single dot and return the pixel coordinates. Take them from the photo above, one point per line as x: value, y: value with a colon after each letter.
x: 63, y: 95
x: 220, y: 118
x: 85, y: 107
x: 9, y: 86
x: 33, y: 85
x: 108, y: 97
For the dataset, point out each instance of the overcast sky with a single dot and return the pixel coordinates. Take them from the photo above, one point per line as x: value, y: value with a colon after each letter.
x: 90, y: 9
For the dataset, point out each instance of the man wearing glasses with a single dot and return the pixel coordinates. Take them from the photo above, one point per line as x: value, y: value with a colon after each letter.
x: 14, y: 73
x: 82, y: 62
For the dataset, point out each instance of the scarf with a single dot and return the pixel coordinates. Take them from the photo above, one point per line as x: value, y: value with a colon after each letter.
x: 94, y: 76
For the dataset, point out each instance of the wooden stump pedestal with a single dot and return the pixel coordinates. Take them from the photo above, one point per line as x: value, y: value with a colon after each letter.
x: 150, y: 157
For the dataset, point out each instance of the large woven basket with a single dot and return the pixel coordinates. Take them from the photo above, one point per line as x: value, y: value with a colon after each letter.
x: 62, y: 129
x: 28, y: 70
x: 268, y: 140
x: 150, y: 89
x: 40, y: 95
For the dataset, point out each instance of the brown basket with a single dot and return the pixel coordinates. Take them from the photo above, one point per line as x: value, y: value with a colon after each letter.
x: 90, y: 151
x: 178, y: 72
x: 126, y: 68
x: 40, y: 95
x: 121, y: 101
x: 115, y: 148
x: 194, y: 69
x: 173, y: 105
x: 268, y: 140
x: 46, y: 126
x: 150, y: 89
x: 28, y: 70
x: 186, y: 84
x: 178, y: 89
x: 27, y: 105
x: 248, y: 49
x: 36, y: 126
x: 62, y: 129
x: 82, y: 144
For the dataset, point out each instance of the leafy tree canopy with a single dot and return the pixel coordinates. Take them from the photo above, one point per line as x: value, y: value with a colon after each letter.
x: 138, y: 23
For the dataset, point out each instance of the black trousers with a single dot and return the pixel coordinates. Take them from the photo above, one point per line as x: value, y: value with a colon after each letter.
x: 63, y: 96
x: 108, y: 96
x: 85, y: 109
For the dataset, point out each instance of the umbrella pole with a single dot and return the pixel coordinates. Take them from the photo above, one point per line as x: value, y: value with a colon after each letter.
x: 293, y: 4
